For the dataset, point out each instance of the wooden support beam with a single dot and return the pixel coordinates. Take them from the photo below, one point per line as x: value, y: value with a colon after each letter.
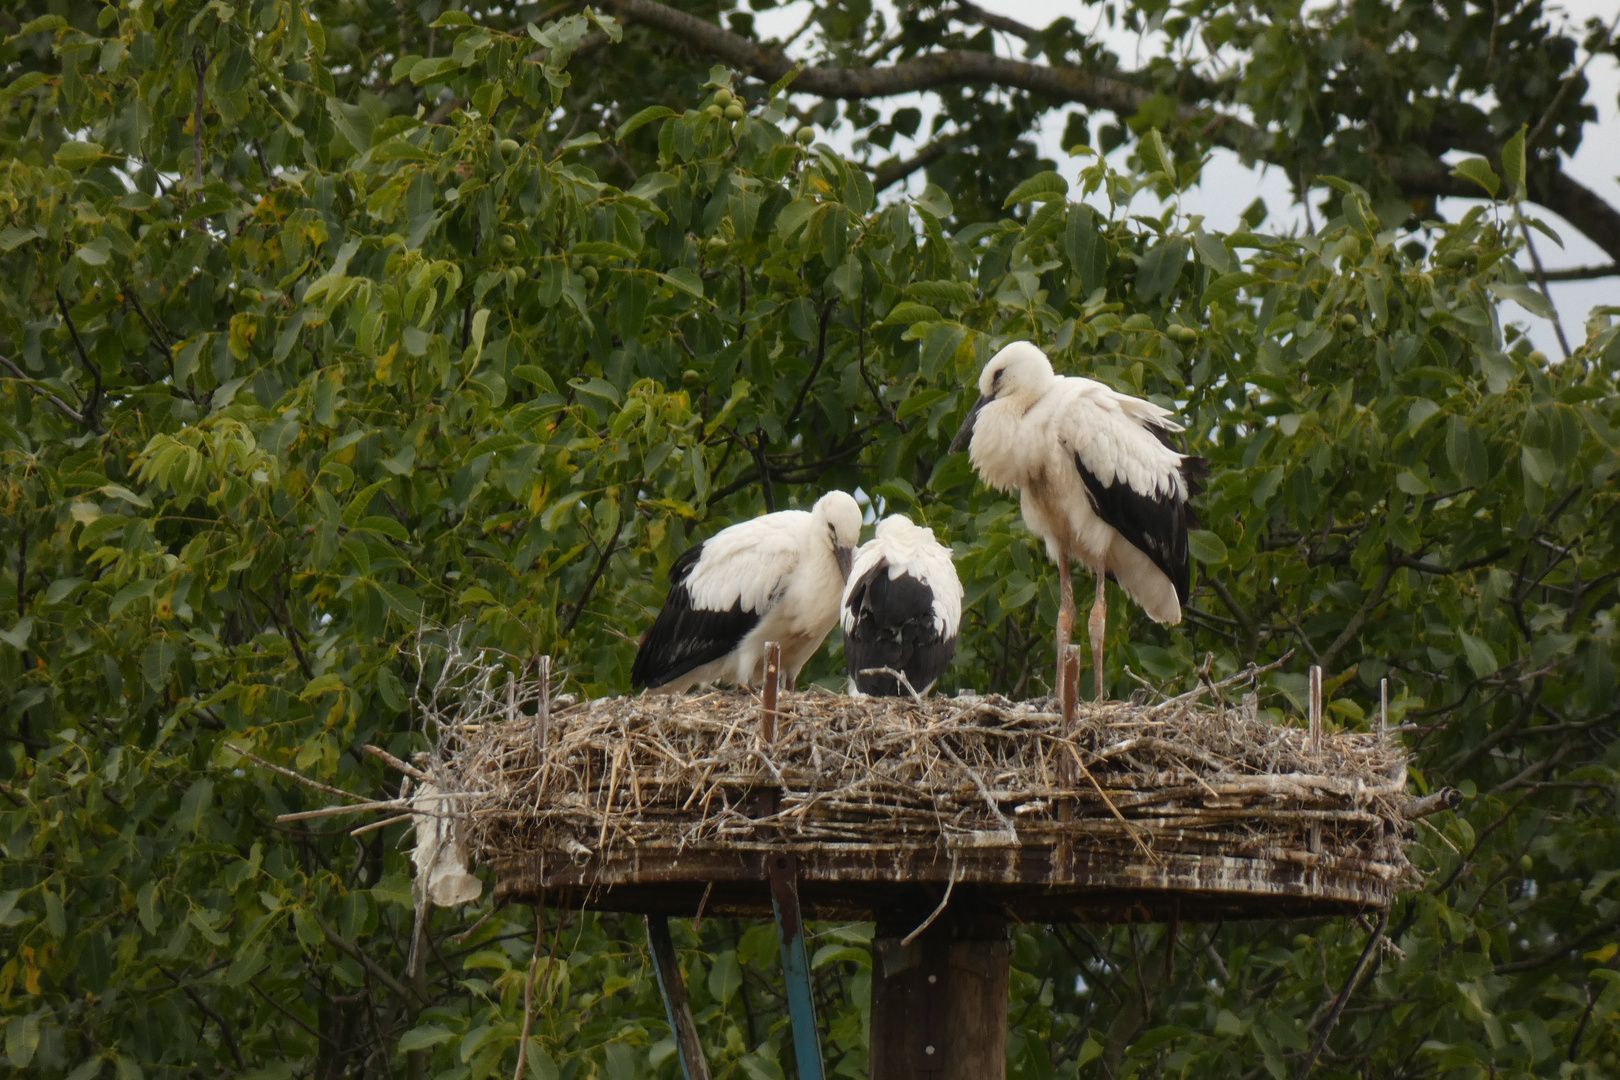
x: 676, y: 1004
x: 939, y: 1005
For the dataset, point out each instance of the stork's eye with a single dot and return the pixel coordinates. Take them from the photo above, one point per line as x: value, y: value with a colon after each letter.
x: 995, y: 381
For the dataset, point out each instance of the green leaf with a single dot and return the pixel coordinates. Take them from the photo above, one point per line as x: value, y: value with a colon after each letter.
x: 1479, y: 171
x: 1480, y: 656
x: 17, y: 636
x: 22, y: 84
x: 1157, y: 156
x: 1042, y: 187
x: 642, y: 119
x: 79, y: 155
x: 1526, y: 296
x: 40, y: 25
x: 906, y: 312
x: 1513, y: 161
x: 1206, y: 547
x: 423, y: 1037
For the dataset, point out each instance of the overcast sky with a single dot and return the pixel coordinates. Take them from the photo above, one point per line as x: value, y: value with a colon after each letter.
x: 1228, y: 187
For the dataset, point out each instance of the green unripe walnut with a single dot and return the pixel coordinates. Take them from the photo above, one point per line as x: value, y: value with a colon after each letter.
x: 734, y: 113
x: 1183, y: 334
x: 1526, y: 864
x: 714, y: 111
x: 1537, y: 357
x: 805, y: 136
x: 1302, y: 941
x: 516, y: 274
x: 508, y: 244
x: 510, y: 146
x: 724, y: 97
x: 1347, y: 321
x: 691, y: 377
x: 590, y: 275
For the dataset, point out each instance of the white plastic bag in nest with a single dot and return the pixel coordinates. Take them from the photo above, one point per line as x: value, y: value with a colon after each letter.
x: 441, y: 860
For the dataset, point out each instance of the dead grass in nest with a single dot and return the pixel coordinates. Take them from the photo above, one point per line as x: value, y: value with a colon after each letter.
x: 683, y: 773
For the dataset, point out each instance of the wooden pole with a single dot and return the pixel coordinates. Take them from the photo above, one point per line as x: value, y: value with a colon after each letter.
x: 545, y: 701
x: 1383, y: 711
x: 1314, y: 838
x: 939, y: 1005
x: 773, y: 668
x: 676, y: 1004
x: 1315, y: 711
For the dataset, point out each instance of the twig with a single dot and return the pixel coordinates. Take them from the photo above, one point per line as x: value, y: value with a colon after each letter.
x: 596, y: 574
x: 316, y: 784
x: 66, y: 409
x: 1350, y: 986
x: 528, y: 989
x: 938, y: 911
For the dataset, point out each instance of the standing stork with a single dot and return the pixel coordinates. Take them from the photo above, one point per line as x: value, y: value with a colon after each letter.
x: 775, y: 578
x: 1097, y: 480
x: 901, y: 609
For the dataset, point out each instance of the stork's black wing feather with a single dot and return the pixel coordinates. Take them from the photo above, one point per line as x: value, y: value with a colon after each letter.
x: 894, y: 628
x: 684, y: 636
x: 1155, y: 524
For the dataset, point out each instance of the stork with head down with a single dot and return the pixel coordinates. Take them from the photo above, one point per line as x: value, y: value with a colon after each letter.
x: 901, y: 610
x: 1097, y: 479
x: 777, y: 577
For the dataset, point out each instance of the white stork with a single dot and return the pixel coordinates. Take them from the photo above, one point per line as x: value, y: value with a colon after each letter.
x: 901, y: 609
x: 775, y: 578
x: 1097, y: 478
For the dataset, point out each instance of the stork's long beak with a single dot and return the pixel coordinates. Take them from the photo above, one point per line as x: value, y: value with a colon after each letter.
x: 966, y: 433
x: 845, y: 557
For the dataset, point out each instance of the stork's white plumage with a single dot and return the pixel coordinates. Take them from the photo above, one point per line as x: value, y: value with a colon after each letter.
x: 901, y: 609
x: 775, y: 578
x: 1097, y: 480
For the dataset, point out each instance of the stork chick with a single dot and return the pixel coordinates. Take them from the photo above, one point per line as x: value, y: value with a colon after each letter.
x: 1097, y: 480
x: 901, y: 609
x: 775, y: 578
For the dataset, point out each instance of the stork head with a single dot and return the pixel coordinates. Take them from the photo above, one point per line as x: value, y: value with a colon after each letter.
x: 902, y: 529
x: 838, y: 513
x: 1019, y: 373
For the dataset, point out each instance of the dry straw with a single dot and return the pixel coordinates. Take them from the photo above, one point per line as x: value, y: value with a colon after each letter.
x: 1193, y: 775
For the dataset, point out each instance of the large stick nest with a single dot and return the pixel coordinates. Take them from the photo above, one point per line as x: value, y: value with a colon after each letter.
x: 628, y: 778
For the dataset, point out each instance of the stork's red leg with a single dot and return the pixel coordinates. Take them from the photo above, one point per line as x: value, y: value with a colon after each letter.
x: 1065, y: 626
x: 1098, y: 624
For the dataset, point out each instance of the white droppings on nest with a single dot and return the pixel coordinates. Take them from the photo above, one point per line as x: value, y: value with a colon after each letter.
x: 440, y: 855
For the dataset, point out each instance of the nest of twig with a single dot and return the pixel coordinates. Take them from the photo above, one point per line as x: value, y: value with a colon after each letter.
x: 629, y: 778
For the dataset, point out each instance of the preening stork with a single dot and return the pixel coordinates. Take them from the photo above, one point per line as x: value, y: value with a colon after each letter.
x: 1097, y: 478
x: 775, y: 578
x: 901, y: 609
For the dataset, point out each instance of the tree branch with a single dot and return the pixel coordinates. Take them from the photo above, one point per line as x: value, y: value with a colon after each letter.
x: 94, y: 403
x: 892, y: 172
x: 1123, y: 93
x: 596, y: 574
x: 1579, y: 273
x: 67, y: 410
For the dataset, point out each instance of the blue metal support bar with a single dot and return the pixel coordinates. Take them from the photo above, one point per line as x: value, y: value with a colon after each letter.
x: 796, y: 966
x: 676, y: 1005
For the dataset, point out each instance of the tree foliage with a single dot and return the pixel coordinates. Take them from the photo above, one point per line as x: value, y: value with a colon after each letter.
x: 295, y: 365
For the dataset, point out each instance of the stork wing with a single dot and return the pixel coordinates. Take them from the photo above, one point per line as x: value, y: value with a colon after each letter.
x: 1136, y: 483
x: 720, y: 589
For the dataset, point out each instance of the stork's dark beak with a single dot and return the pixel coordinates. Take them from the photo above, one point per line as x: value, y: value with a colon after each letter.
x: 966, y: 433
x: 845, y: 557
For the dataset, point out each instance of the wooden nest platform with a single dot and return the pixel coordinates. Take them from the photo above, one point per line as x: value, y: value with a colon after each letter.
x: 1181, y: 810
